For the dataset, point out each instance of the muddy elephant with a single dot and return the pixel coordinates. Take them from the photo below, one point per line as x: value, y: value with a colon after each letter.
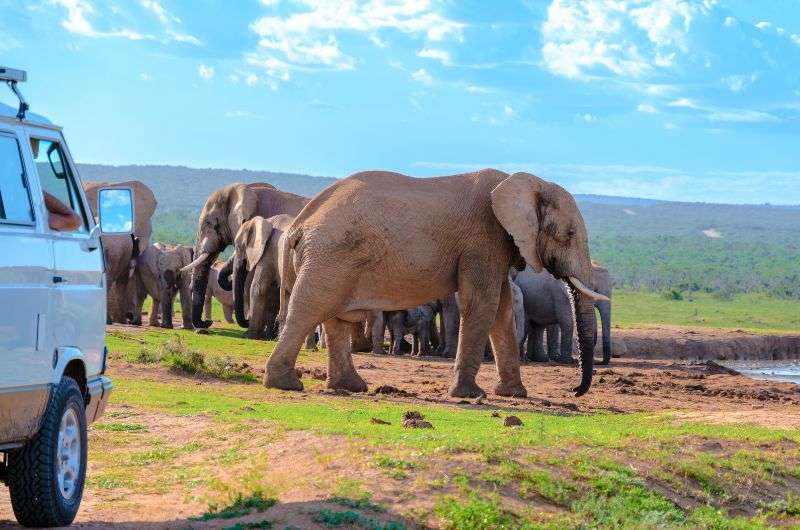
x: 256, y: 252
x: 601, y: 282
x: 223, y: 213
x: 223, y: 294
x: 149, y: 282
x: 381, y: 240
x: 121, y: 251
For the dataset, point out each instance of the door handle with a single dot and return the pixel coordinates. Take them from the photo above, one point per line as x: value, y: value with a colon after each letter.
x: 58, y: 279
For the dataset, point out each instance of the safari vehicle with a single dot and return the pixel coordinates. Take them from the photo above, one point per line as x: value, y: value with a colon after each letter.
x: 52, y: 315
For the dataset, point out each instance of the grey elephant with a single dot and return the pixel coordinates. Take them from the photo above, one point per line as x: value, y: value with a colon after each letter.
x: 436, y: 236
x: 216, y: 290
x: 121, y: 251
x: 518, y: 303
x: 256, y: 253
x: 601, y: 282
x: 418, y: 321
x: 149, y: 283
x: 174, y: 281
x: 223, y: 213
x: 548, y: 307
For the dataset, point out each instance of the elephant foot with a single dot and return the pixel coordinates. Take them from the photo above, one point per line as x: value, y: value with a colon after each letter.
x: 604, y: 362
x: 466, y: 389
x: 167, y: 325
x: 188, y: 325
x: 539, y: 359
x: 449, y: 353
x: 379, y: 351
x: 350, y: 382
x: 283, y: 379
x: 361, y: 344
x: 563, y: 359
x: 515, y: 389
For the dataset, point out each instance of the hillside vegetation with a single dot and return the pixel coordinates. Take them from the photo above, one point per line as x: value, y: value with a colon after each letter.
x: 667, y: 247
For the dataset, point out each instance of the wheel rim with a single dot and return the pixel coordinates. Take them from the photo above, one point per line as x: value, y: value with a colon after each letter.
x: 69, y: 453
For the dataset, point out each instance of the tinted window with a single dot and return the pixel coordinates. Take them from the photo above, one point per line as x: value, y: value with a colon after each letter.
x: 15, y: 202
x: 55, y: 176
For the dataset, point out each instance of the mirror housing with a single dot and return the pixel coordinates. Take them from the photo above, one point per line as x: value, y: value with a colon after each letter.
x: 115, y: 211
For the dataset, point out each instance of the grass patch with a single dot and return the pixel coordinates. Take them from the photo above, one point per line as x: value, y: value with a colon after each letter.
x: 335, y: 518
x: 238, y: 507
x: 117, y: 426
x: 476, y: 513
x: 245, y: 526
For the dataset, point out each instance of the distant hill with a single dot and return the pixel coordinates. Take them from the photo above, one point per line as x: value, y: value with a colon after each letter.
x: 180, y: 187
x: 645, y: 243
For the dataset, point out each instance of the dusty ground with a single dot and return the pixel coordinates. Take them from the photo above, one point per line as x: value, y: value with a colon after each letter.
x: 306, y: 465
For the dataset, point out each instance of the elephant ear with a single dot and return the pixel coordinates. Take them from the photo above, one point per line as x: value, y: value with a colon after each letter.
x: 258, y: 240
x: 242, y: 203
x: 515, y: 203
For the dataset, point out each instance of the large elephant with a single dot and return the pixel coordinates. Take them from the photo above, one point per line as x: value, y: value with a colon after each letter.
x: 381, y: 240
x: 120, y: 251
x: 601, y: 282
x: 223, y: 213
x: 547, y: 305
x: 256, y: 252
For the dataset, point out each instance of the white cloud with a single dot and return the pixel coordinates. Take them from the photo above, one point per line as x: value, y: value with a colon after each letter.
x: 507, y: 110
x: 205, y: 71
x: 77, y: 21
x: 306, y: 40
x: 234, y: 78
x: 442, y: 56
x: 378, y: 41
x: 168, y: 21
x: 586, y: 118
x: 646, y: 108
x: 763, y: 25
x: 144, y: 76
x: 251, y: 80
x: 737, y: 83
x: 422, y: 76
x: 586, y: 38
x: 476, y: 89
x: 729, y: 22
x: 717, y: 114
x: 670, y: 126
x: 795, y: 38
x: 684, y: 102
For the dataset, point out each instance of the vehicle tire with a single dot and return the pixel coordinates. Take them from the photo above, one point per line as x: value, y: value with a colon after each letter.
x: 45, y: 477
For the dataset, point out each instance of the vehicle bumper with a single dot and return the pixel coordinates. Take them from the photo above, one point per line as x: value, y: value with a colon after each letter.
x: 99, y: 390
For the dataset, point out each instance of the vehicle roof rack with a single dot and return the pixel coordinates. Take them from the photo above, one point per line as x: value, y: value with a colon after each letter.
x: 11, y: 77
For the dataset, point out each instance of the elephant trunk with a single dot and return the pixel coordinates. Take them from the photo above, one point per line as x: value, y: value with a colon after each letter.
x: 586, y: 324
x: 199, y: 286
x: 239, y: 279
x: 224, y: 276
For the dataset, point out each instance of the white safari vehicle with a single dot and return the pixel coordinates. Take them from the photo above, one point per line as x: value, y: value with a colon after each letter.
x: 52, y: 315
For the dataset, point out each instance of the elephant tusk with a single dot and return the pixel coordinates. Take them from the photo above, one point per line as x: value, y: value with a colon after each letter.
x: 586, y: 291
x: 200, y: 259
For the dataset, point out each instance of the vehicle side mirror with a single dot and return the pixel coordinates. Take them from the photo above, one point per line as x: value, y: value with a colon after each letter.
x: 115, y: 210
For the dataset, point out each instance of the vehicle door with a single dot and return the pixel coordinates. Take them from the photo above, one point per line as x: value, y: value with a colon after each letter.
x: 79, y: 303
x: 26, y: 270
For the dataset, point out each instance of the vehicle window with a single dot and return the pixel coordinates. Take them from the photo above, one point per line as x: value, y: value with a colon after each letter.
x: 56, y: 177
x: 15, y: 201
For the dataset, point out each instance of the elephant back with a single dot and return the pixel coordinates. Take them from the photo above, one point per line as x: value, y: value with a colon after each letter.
x: 144, y: 205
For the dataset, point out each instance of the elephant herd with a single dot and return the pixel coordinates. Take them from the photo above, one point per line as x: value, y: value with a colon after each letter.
x: 476, y: 264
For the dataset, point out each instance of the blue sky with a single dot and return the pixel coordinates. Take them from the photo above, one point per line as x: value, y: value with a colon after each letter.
x: 669, y: 99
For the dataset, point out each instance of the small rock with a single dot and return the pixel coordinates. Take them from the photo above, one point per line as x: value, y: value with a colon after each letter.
x: 393, y: 391
x: 417, y: 424
x: 512, y: 421
x: 478, y: 400
x: 299, y: 372
x: 495, y: 414
x: 378, y: 421
x: 570, y: 406
x: 319, y: 374
x: 626, y: 381
x: 201, y: 331
x: 366, y: 366
x: 248, y: 408
x: 413, y: 415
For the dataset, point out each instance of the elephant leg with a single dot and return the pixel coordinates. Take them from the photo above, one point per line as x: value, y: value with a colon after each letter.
x: 433, y: 334
x: 605, y: 317
x: 425, y: 338
x: 451, y: 321
x: 323, y: 337
x: 311, y: 341
x: 306, y: 309
x: 207, y: 305
x: 503, y: 337
x: 227, y: 312
x: 155, y: 312
x: 415, y: 343
x: 185, y: 287
x: 167, y: 298
x: 553, y: 340
x: 564, y: 355
x: 377, y: 332
x: 478, y: 302
x: 536, y: 351
x: 271, y: 320
x: 341, y: 372
x: 259, y: 305
x: 360, y: 341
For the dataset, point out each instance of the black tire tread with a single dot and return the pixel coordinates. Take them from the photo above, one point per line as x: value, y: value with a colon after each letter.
x: 31, y: 468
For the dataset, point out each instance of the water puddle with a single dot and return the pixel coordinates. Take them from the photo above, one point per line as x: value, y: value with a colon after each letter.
x: 786, y: 371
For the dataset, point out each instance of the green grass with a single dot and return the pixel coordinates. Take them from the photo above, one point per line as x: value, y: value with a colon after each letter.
x: 751, y: 312
x: 239, y: 506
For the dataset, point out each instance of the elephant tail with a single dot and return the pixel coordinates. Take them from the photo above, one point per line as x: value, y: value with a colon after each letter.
x: 286, y: 270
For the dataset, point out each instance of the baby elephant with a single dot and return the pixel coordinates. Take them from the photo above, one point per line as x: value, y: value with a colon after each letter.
x: 417, y: 321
